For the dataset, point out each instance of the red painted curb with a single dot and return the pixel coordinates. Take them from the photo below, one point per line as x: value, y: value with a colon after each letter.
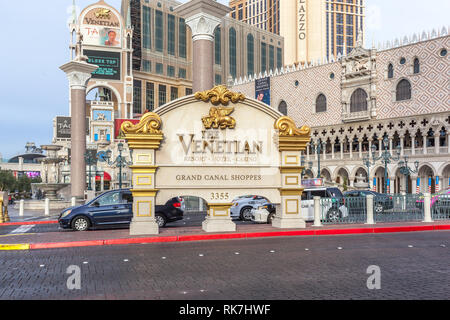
x: 140, y: 240
x: 24, y: 223
x: 204, y: 237
x: 72, y: 244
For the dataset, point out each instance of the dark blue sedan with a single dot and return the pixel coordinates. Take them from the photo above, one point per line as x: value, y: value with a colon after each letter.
x: 115, y: 209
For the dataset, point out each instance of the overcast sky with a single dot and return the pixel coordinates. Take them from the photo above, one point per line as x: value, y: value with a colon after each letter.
x: 35, y: 43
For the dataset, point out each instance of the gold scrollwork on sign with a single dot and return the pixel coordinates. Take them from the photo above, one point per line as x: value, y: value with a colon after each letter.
x: 219, y: 95
x: 287, y: 127
x: 150, y: 124
x: 219, y: 118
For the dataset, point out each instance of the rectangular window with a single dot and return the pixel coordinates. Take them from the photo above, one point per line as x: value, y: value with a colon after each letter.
x: 146, y: 66
x: 182, y: 38
x: 171, y: 34
x: 162, y: 96
x: 173, y: 93
x: 188, y: 91
x: 146, y: 23
x: 150, y: 96
x: 159, y: 31
x: 279, y: 58
x: 137, y: 93
x: 271, y: 57
x: 159, y: 68
x: 218, y: 79
x: 217, y: 47
x: 170, y: 71
x: 263, y: 57
x: 182, y: 73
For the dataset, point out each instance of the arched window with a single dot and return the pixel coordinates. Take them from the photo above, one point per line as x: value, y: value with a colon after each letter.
x: 283, y: 108
x: 403, y: 90
x: 217, y: 46
x: 321, y: 103
x: 358, y: 101
x: 232, y: 46
x: 250, y: 54
x: 416, y: 65
x: 390, y: 71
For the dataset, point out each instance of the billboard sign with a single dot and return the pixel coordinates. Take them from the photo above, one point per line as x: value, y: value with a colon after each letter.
x: 108, y: 62
x: 262, y: 90
x: 64, y: 125
x: 101, y: 27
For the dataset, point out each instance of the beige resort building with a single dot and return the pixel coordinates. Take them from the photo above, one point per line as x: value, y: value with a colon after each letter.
x: 398, y: 91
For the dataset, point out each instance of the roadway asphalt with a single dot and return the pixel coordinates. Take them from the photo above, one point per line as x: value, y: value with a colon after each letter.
x: 412, y: 265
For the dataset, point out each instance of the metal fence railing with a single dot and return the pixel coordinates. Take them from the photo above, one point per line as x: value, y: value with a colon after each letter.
x: 386, y: 208
x: 398, y: 207
x: 440, y: 206
x: 343, y: 210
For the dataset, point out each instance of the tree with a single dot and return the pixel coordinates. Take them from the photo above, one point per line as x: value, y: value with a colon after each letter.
x: 7, y: 180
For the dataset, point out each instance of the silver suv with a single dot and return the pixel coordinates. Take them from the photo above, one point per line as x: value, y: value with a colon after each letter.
x: 242, y: 206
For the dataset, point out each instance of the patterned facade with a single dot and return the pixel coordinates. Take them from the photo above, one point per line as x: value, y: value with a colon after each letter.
x: 401, y: 93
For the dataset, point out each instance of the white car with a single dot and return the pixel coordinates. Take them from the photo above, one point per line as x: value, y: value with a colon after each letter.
x: 332, y: 206
x: 242, y: 206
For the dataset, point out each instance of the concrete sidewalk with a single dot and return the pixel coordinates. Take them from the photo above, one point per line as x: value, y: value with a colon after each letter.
x: 58, y: 238
x: 32, y: 215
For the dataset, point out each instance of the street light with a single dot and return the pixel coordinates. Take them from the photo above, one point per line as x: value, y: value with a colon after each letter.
x: 91, y: 160
x: 318, y: 150
x: 386, y: 157
x: 406, y: 170
x: 119, y: 162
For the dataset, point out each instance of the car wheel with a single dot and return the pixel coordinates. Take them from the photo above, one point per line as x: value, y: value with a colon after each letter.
x: 160, y: 220
x: 270, y: 218
x: 246, y: 214
x: 379, y: 208
x: 333, y: 215
x: 80, y: 224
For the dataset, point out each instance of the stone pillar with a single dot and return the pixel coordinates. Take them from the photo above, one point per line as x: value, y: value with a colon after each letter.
x: 78, y: 74
x: 370, y: 148
x: 448, y: 143
x: 360, y: 148
x: 144, y: 138
x: 308, y: 152
x: 342, y: 150
x: 380, y: 146
x: 202, y: 17
x: 332, y: 151
x: 413, y: 185
x: 317, y: 220
x: 390, y: 145
x: 436, y: 143
x: 351, y: 149
x: 402, y: 146
x: 424, y: 147
x: 292, y: 141
x: 218, y: 218
x: 413, y: 144
x: 369, y: 206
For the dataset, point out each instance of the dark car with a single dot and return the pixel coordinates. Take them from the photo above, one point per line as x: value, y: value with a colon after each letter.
x: 382, y: 202
x: 115, y: 209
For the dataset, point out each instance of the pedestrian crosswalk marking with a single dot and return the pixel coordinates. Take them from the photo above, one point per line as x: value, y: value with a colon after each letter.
x: 22, y: 229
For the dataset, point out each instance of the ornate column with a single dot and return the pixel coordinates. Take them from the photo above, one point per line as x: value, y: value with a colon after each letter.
x: 292, y: 141
x: 350, y: 143
x: 402, y: 145
x: 78, y: 72
x: 144, y: 138
x: 436, y: 142
x: 332, y: 150
x: 370, y: 148
x: 342, y: 150
x: 413, y: 144
x: 202, y: 17
x: 390, y: 145
x: 360, y: 148
x: 380, y: 146
x: 424, y: 144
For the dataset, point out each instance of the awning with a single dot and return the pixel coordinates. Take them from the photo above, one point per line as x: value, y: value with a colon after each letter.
x: 106, y: 175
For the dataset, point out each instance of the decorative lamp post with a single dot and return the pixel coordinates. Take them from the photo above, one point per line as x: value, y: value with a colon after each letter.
x: 386, y: 157
x: 120, y: 162
x: 406, y: 170
x: 318, y: 150
x: 91, y: 160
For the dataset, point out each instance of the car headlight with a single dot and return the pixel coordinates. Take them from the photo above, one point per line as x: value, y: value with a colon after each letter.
x: 262, y: 207
x: 235, y: 204
x: 66, y: 213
